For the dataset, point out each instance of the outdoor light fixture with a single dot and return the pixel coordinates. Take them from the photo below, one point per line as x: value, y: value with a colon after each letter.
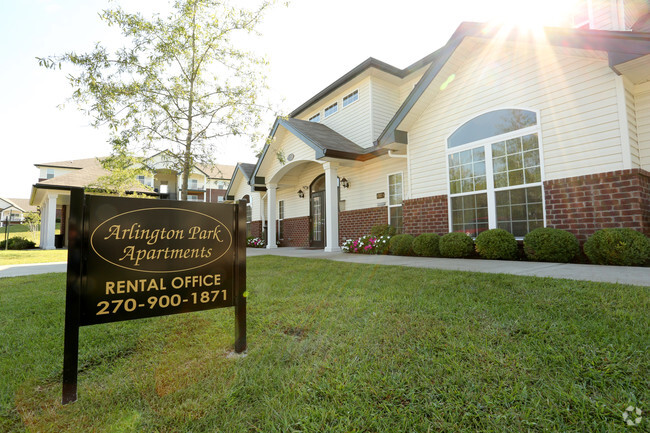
x: 345, y: 183
x: 301, y: 194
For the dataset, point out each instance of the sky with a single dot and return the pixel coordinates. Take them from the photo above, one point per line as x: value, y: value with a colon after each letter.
x: 309, y: 45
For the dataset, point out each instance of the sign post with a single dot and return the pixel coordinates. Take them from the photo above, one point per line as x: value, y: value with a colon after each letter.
x: 134, y: 258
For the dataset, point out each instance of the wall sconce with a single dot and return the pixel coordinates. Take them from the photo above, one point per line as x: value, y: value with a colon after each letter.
x: 345, y: 183
x: 301, y: 194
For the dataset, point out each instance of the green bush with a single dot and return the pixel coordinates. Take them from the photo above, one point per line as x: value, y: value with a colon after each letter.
x: 383, y: 230
x: 621, y: 247
x: 496, y: 244
x: 456, y: 244
x: 547, y: 244
x: 427, y: 245
x: 18, y: 243
x: 401, y: 245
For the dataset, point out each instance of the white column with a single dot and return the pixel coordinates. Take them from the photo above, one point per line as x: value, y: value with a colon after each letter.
x: 48, y: 222
x: 270, y: 200
x: 331, y: 208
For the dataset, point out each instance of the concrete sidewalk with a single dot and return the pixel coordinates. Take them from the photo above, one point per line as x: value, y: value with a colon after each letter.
x: 608, y: 274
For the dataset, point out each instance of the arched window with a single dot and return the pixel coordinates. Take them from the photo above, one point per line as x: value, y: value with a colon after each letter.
x: 495, y: 173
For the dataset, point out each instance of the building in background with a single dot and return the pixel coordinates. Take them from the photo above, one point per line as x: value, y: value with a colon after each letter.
x: 13, y: 210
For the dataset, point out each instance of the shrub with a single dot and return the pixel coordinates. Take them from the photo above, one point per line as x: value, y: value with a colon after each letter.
x: 401, y: 245
x: 456, y: 244
x: 496, y: 244
x: 547, y: 244
x: 621, y: 247
x: 366, y: 245
x: 427, y: 245
x: 383, y: 230
x: 254, y: 242
x: 18, y: 243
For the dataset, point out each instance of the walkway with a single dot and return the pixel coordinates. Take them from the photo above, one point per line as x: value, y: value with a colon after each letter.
x: 608, y: 274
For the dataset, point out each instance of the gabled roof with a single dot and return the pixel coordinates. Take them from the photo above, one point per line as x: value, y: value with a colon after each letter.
x: 22, y: 204
x: 325, y: 141
x: 73, y: 163
x: 370, y: 62
x: 620, y: 46
x: 245, y: 169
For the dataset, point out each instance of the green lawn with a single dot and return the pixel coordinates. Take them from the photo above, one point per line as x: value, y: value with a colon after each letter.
x: 21, y: 257
x: 22, y: 230
x: 340, y: 347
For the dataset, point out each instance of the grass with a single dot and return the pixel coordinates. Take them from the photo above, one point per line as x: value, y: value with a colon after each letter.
x: 340, y: 347
x: 22, y: 230
x: 21, y: 257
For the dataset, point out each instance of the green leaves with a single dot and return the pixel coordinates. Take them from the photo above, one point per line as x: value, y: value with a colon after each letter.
x: 179, y: 83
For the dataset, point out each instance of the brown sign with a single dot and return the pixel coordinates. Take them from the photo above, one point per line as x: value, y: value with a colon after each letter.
x: 134, y: 258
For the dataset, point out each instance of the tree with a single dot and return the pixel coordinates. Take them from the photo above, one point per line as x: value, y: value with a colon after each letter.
x: 33, y: 220
x: 123, y: 169
x: 179, y: 85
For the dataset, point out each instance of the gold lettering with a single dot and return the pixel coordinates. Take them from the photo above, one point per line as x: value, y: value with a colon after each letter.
x: 114, y: 230
x: 128, y: 252
x: 110, y: 285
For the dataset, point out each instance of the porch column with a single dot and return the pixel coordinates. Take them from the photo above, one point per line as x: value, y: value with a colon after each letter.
x: 331, y: 207
x: 48, y: 222
x: 270, y: 200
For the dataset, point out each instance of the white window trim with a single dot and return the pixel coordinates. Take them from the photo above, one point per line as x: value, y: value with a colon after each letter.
x: 388, y: 205
x: 330, y: 106
x: 489, y: 174
x: 343, y: 105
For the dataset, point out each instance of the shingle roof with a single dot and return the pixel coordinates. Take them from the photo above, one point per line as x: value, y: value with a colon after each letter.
x: 322, y: 136
x: 73, y: 163
x: 246, y: 169
x: 22, y: 204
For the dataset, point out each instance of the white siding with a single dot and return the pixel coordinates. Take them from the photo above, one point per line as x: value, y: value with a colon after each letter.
x: 57, y: 171
x: 241, y: 189
x: 631, y: 125
x: 575, y: 98
x: 287, y: 144
x: 406, y: 87
x: 634, y: 9
x: 642, y: 103
x: 603, y: 12
x: 385, y: 102
x: 353, y: 122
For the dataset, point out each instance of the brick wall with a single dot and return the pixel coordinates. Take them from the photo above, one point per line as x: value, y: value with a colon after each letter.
x: 256, y: 228
x: 296, y: 232
x: 426, y: 215
x: 356, y: 223
x: 584, y: 204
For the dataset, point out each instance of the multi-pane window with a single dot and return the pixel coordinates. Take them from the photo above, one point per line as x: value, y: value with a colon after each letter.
x: 352, y: 97
x: 249, y: 219
x: 193, y: 184
x: 331, y: 109
x: 395, y: 196
x: 280, y: 219
x: 315, y: 118
x: 495, y: 174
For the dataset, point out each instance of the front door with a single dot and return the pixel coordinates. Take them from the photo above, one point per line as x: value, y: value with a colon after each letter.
x: 317, y: 220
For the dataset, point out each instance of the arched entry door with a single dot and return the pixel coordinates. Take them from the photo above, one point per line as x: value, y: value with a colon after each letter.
x: 317, y: 212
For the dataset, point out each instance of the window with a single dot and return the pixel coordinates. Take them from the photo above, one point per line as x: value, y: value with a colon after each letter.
x: 495, y: 174
x: 395, y: 201
x: 280, y: 219
x: 315, y: 118
x: 192, y: 197
x: 352, y: 97
x: 249, y: 219
x: 331, y: 109
x: 50, y: 173
x: 193, y: 184
x: 219, y: 199
x: 221, y: 185
x: 141, y: 179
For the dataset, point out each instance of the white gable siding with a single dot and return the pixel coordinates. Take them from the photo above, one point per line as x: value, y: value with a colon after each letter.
x: 241, y: 189
x: 604, y: 15
x: 285, y: 143
x: 407, y: 87
x: 385, y: 102
x: 575, y: 98
x: 352, y: 122
x: 634, y: 9
x: 57, y: 171
x: 642, y: 103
